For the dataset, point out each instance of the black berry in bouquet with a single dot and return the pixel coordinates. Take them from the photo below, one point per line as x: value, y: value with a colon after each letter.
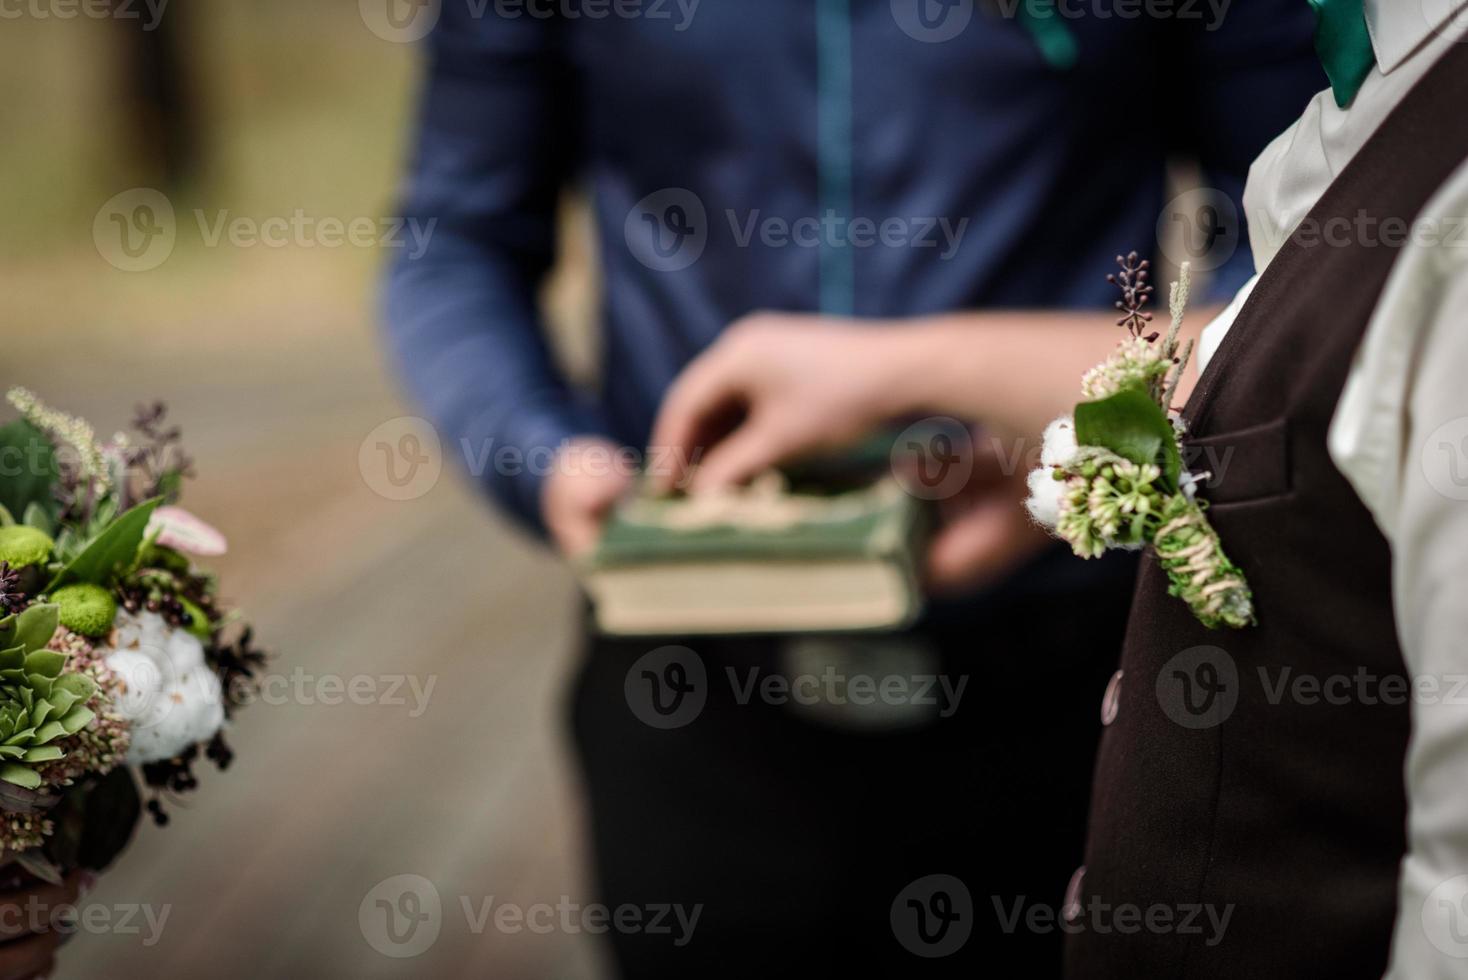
x: 118, y: 663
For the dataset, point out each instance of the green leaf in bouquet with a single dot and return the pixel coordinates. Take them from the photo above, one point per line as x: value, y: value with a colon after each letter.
x: 31, y: 482
x: 79, y: 686
x: 170, y: 484
x: 76, y: 719
x: 37, y: 517
x: 47, y: 663
x: 51, y: 731
x: 1132, y: 425
x: 38, y: 864
x: 20, y: 775
x: 44, y: 753
x: 61, y: 701
x: 30, y: 629
x: 105, y: 513
x: 114, y: 548
x: 43, y: 711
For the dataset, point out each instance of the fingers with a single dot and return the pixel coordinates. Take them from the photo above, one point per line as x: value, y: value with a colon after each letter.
x: 748, y: 451
x: 33, y: 956
x: 29, y: 926
x: 982, y: 543
x: 25, y: 910
x: 706, y: 389
x: 575, y: 504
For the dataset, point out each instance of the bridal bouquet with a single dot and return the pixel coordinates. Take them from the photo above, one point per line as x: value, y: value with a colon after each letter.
x: 116, y: 654
x: 1111, y: 473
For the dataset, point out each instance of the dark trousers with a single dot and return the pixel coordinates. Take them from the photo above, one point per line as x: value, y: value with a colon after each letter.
x: 815, y: 846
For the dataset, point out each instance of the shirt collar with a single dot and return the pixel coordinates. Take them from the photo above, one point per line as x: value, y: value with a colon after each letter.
x: 1398, y: 27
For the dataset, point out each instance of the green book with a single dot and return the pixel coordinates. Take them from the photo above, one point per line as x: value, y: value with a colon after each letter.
x: 760, y: 560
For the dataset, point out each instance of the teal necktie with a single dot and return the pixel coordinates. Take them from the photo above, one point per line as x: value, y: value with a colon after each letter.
x: 1344, y: 46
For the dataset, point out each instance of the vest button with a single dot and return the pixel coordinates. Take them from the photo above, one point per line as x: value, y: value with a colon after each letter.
x: 1111, y: 701
x: 1071, y: 910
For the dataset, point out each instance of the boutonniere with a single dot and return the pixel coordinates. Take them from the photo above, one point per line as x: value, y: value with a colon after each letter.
x: 1111, y: 474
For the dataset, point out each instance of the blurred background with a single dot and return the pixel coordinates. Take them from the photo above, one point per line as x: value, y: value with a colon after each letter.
x: 268, y: 357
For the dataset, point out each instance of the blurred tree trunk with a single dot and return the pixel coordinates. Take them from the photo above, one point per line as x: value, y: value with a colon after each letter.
x: 155, y: 95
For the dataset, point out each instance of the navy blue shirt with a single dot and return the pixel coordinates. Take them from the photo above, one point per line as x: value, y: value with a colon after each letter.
x: 793, y: 155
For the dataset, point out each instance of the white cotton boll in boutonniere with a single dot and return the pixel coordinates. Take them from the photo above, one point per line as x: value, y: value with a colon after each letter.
x: 1043, y: 502
x: 1057, y: 450
x: 1059, y: 446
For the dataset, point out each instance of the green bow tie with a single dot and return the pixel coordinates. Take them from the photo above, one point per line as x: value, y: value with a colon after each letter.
x: 1344, y: 46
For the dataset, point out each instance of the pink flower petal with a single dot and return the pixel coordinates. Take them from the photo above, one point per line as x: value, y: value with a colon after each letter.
x: 179, y: 529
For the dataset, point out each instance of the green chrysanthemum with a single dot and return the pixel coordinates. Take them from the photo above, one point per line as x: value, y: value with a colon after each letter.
x: 23, y: 546
x: 40, y: 703
x: 85, y: 608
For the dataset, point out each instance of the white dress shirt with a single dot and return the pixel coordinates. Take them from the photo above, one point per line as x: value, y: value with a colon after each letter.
x: 1400, y: 436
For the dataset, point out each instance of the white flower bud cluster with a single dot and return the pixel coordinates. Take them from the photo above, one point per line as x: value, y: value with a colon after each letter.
x: 1135, y: 361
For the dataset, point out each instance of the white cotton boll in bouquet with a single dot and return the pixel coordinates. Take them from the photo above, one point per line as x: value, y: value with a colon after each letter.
x: 170, y: 697
x: 193, y: 712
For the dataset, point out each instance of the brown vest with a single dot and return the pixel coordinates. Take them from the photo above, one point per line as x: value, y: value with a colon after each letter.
x: 1258, y: 773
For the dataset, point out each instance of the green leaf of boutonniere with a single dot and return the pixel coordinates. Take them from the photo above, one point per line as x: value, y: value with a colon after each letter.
x: 1132, y: 425
x: 116, y: 546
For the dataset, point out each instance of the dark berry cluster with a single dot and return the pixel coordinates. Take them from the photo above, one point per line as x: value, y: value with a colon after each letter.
x: 174, y: 777
x: 1136, y: 292
x: 12, y: 597
x: 140, y: 597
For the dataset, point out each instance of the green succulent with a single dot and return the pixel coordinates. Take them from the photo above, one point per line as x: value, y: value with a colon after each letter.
x: 24, y: 546
x: 40, y: 703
